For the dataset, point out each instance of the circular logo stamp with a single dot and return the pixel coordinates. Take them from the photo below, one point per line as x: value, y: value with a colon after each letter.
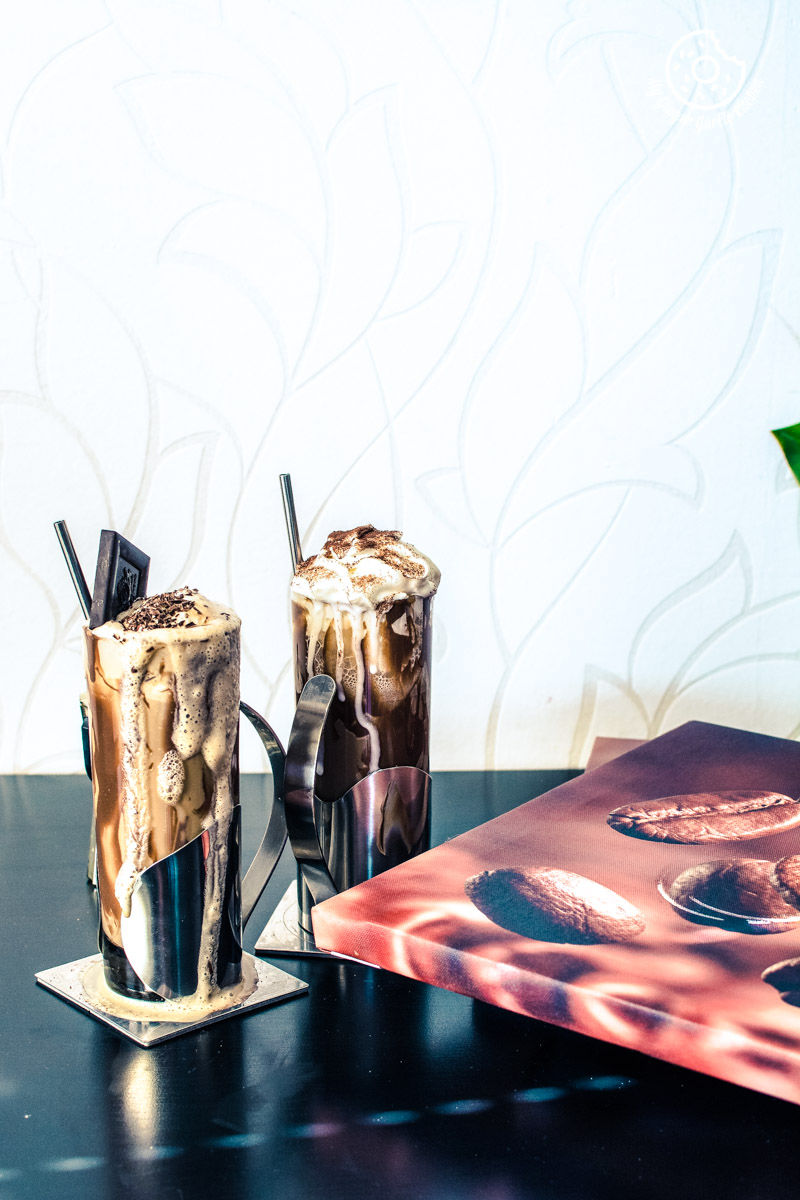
x: 701, y: 75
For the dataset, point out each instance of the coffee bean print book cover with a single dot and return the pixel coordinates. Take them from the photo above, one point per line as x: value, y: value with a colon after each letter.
x: 653, y: 902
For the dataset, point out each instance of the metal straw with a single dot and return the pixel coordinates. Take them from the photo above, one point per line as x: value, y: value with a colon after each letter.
x: 74, y: 567
x: 291, y: 521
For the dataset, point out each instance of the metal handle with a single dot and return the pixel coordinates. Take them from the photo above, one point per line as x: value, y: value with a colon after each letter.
x: 268, y: 853
x: 301, y: 765
x: 266, y: 856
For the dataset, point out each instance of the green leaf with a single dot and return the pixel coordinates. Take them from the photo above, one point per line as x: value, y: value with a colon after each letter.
x: 789, y: 442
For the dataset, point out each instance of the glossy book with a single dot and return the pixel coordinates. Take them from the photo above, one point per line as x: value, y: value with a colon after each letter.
x: 651, y: 902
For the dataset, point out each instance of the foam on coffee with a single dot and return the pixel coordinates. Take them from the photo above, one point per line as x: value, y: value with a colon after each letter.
x: 166, y: 671
x: 363, y: 605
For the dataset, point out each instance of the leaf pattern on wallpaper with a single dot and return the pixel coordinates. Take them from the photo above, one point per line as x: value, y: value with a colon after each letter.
x: 39, y: 594
x: 20, y: 304
x: 364, y: 284
x: 468, y: 43
x: 732, y: 296
x: 543, y: 627
x: 229, y: 296
x: 522, y: 394
x: 639, y: 324
x: 353, y: 485
x: 95, y: 375
x: 44, y: 443
x: 602, y: 25
x: 95, y: 404
x: 688, y: 617
x: 521, y: 388
x: 589, y: 456
x: 230, y: 139
x: 500, y: 287
x: 444, y: 493
x: 562, y: 539
x: 345, y: 482
x: 359, y: 484
x: 163, y: 39
x: 366, y: 212
x: 591, y: 25
x: 629, y: 44
x: 425, y: 308
x: 300, y: 54
x: 717, y: 635
x: 242, y: 40
x: 631, y: 286
x: 524, y: 389
x: 190, y: 457
x: 254, y: 251
x: 34, y: 603
x: 555, y: 481
x: 619, y: 435
x: 430, y: 255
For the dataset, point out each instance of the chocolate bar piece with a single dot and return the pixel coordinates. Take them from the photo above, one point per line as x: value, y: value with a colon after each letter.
x: 120, y: 578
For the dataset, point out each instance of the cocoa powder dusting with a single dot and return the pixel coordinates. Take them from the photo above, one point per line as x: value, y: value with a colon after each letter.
x: 362, y: 537
x: 365, y: 565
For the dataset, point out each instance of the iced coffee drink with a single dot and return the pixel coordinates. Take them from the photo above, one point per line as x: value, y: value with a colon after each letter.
x: 163, y: 684
x: 361, y: 612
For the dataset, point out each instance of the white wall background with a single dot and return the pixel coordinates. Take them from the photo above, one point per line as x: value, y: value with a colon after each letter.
x: 517, y: 277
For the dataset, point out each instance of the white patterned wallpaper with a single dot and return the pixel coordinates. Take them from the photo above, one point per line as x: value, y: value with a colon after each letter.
x: 516, y: 276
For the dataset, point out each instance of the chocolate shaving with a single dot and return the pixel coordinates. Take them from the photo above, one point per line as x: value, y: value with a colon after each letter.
x: 167, y: 610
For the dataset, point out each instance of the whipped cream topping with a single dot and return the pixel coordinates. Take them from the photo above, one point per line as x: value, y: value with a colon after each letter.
x: 347, y: 592
x: 182, y: 609
x: 366, y: 568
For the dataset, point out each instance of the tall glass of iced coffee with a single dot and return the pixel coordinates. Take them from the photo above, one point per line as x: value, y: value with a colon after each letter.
x: 163, y: 681
x: 362, y: 614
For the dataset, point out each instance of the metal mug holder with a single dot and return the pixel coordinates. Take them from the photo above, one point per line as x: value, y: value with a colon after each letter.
x: 163, y: 934
x: 380, y: 822
x: 163, y: 951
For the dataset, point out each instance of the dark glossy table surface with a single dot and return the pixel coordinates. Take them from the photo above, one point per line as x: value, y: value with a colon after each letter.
x: 370, y: 1085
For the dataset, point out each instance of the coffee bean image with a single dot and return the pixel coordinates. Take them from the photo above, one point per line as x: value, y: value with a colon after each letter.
x: 786, y: 878
x: 552, y: 905
x: 735, y: 894
x: 785, y: 977
x: 707, y: 817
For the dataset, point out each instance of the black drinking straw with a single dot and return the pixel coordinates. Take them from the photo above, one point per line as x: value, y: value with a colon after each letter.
x: 291, y: 521
x: 74, y: 567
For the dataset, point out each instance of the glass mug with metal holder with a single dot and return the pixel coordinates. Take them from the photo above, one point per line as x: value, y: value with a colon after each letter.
x: 380, y: 822
x: 357, y: 771
x: 167, y: 824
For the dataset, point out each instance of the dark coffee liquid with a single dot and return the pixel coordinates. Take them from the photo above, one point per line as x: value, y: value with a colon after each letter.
x: 380, y: 715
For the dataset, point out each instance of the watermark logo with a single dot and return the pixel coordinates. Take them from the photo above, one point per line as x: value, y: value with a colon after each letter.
x: 701, y: 75
x: 702, y: 81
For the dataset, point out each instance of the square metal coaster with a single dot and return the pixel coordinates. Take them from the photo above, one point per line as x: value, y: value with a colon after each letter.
x: 282, y: 933
x: 66, y: 982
